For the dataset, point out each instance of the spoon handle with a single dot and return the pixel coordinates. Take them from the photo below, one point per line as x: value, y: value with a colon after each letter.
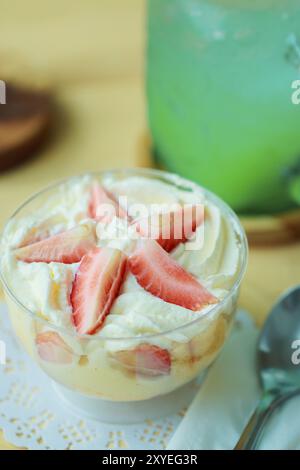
x: 252, y: 433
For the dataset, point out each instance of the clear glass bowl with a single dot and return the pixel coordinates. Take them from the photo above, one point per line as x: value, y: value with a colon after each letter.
x: 89, y: 366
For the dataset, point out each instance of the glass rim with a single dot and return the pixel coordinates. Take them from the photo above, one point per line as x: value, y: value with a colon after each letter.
x: 165, y: 176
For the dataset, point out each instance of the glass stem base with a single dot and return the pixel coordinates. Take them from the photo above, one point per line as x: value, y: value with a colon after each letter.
x: 113, y: 412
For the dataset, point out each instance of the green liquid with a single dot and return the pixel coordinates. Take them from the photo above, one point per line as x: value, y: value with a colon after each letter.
x: 219, y: 77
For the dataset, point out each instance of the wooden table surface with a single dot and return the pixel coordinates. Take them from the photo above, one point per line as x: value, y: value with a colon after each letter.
x: 92, y: 56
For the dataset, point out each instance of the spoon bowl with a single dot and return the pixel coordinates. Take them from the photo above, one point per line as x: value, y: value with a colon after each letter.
x: 279, y: 375
x: 275, y: 346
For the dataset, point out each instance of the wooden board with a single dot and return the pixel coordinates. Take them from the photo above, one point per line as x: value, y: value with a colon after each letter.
x: 273, y: 229
x: 24, y: 123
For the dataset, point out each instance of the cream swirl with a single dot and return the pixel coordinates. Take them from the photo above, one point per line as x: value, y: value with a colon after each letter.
x: 45, y: 288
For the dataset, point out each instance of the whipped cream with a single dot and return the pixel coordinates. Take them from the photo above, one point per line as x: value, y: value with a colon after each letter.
x: 44, y: 288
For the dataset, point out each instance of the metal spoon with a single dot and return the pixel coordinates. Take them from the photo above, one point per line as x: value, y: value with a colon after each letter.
x: 279, y: 375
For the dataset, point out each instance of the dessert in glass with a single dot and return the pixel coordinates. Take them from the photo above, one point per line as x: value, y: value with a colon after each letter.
x: 123, y: 285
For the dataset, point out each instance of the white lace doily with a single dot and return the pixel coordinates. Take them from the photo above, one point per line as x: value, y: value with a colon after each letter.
x: 31, y: 415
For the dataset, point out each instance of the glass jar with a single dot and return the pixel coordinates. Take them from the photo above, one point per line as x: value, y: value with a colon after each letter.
x: 219, y: 88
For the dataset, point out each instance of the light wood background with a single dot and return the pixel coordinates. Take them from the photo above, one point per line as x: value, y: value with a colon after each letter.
x: 91, y: 53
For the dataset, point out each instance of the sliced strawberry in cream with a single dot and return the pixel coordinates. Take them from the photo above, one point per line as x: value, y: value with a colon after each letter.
x: 95, y: 288
x: 67, y: 247
x: 171, y: 228
x: 52, y: 348
x: 163, y: 277
x: 103, y: 206
x: 146, y: 359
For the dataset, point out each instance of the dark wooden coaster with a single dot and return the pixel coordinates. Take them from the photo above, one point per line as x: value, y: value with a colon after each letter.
x: 24, y: 123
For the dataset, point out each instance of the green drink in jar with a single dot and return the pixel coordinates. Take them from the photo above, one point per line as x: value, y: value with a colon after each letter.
x: 220, y: 76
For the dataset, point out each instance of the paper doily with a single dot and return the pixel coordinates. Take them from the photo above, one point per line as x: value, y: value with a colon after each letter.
x: 31, y: 415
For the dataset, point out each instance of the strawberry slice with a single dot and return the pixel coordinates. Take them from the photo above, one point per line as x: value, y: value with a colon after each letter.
x: 52, y: 348
x: 171, y: 228
x: 146, y: 360
x: 163, y: 277
x: 66, y: 247
x: 95, y: 288
x: 103, y: 206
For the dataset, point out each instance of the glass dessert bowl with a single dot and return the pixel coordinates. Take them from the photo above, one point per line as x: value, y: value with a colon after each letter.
x: 110, y: 304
